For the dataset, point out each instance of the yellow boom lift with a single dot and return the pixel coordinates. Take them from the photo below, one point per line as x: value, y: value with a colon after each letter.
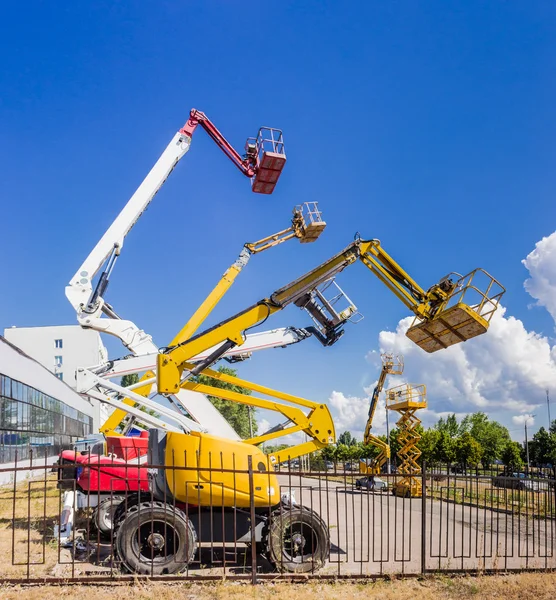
x: 391, y: 365
x: 306, y: 226
x: 208, y: 471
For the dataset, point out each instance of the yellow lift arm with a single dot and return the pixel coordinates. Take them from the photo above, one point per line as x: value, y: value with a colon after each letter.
x: 442, y: 317
x: 391, y: 365
x: 317, y: 423
x: 306, y: 225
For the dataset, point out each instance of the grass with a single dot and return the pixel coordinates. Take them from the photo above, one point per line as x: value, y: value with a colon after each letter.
x: 29, y: 525
x: 484, y: 495
x: 526, y: 586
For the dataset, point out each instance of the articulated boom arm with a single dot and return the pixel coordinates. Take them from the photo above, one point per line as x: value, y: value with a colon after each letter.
x: 391, y: 365
x: 264, y: 156
x: 264, y: 162
x: 317, y: 424
x: 445, y: 326
x: 247, y: 165
x: 307, y: 225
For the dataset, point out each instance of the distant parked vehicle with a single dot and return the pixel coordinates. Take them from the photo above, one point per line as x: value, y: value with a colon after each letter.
x: 329, y: 465
x: 371, y: 483
x: 515, y: 481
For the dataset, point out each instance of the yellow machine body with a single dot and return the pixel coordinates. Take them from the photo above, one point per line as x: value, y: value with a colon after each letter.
x: 206, y: 470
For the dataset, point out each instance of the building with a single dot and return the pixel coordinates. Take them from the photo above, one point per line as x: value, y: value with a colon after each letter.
x: 61, y: 348
x: 39, y: 413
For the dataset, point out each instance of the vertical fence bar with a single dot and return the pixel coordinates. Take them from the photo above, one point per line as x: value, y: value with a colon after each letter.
x: 253, y: 523
x: 423, y: 517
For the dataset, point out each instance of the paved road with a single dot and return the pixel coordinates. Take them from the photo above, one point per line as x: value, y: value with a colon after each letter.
x: 373, y: 533
x: 378, y: 532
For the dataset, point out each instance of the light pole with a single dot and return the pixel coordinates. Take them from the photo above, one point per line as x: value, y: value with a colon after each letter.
x: 388, y: 463
x: 250, y: 421
x: 526, y: 441
x: 548, y: 408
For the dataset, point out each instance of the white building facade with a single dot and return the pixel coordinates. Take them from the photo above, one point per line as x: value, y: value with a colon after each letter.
x: 39, y: 414
x: 60, y: 348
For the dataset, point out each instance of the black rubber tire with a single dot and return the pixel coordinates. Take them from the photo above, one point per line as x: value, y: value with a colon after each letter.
x: 122, y: 508
x: 155, y: 538
x: 297, y: 540
x: 103, y: 515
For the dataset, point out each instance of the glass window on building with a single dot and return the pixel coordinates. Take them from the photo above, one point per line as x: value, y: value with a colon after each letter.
x: 35, y: 425
x: 59, y: 343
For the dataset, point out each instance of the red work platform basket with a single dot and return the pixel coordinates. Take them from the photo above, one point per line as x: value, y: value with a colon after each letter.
x: 271, y: 158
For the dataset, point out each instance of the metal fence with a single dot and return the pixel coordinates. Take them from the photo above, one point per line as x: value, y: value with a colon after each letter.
x: 328, y: 522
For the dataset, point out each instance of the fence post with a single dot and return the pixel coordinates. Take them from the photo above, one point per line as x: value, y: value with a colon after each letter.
x: 253, y: 522
x: 423, y: 517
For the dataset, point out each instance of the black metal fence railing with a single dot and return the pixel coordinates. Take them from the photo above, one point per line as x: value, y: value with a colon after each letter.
x: 101, y: 518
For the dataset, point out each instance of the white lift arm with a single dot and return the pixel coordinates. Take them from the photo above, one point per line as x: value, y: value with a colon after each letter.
x: 263, y: 164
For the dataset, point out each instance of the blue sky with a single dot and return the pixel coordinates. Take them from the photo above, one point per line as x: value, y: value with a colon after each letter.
x: 430, y: 127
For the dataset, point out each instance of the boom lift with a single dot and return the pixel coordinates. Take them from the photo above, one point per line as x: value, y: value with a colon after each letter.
x: 391, y: 365
x: 263, y: 162
x: 113, y: 468
x: 306, y: 226
x: 443, y: 318
x: 208, y: 471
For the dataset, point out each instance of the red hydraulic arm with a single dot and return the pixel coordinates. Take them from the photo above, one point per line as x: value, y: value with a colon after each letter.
x: 264, y: 157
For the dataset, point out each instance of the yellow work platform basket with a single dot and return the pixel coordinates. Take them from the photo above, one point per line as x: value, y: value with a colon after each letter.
x: 465, y: 314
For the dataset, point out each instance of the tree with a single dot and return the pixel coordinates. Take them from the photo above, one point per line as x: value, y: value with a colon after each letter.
x: 236, y: 414
x: 511, y: 456
x: 468, y: 450
x: 492, y: 436
x: 395, y: 445
x: 449, y: 426
x: 329, y: 453
x: 445, y: 449
x: 129, y: 379
x: 342, y: 453
x: 427, y: 444
x: 347, y: 439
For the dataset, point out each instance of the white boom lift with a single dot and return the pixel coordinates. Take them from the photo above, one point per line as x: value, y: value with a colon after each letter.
x: 263, y: 162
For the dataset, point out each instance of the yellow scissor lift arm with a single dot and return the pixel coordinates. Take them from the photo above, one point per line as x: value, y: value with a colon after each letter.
x: 306, y: 225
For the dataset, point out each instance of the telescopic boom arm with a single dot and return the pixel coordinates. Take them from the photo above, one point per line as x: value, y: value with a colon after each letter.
x: 440, y: 325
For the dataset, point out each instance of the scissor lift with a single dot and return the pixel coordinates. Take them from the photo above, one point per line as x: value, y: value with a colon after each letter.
x: 407, y: 399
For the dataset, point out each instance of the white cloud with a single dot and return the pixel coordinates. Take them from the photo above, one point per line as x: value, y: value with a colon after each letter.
x: 520, y: 420
x: 541, y: 263
x: 350, y: 413
x: 504, y: 373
